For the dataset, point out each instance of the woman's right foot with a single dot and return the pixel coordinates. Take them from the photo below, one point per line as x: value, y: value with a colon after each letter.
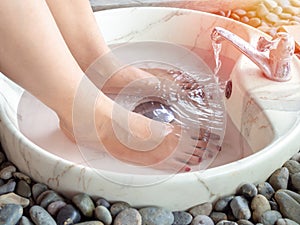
x: 133, y: 138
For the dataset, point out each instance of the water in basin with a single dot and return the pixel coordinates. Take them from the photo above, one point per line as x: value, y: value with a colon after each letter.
x: 39, y: 124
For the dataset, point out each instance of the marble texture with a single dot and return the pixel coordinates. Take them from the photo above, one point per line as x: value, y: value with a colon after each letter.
x: 202, y: 5
x: 267, y: 113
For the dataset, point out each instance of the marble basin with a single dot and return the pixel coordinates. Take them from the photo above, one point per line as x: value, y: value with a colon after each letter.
x: 262, y: 132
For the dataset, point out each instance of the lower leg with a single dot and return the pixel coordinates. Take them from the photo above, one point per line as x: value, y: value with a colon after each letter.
x: 34, y: 55
x: 78, y: 26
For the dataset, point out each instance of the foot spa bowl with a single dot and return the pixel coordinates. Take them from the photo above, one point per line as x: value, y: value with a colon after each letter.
x: 262, y: 124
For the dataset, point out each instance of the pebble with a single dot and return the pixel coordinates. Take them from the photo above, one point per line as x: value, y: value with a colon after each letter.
x: 22, y: 176
x: 270, y: 217
x: 90, y: 223
x: 8, y: 187
x: 102, y: 213
x: 156, y: 215
x: 84, y: 203
x: 218, y: 216
x: 68, y: 215
x: 286, y: 222
x: 270, y: 4
x: 259, y: 205
x: 272, y: 18
x: 240, y: 208
x: 129, y: 216
x: 38, y: 189
x: 118, y: 207
x: 202, y: 209
x: 295, y: 180
x: 279, y: 179
x: 40, y: 216
x: 226, y: 222
x: 223, y: 204
x: 289, y: 204
x: 10, y: 214
x: 23, y: 189
x: 244, y: 222
x: 293, y: 166
x: 7, y: 172
x: 248, y: 190
x: 182, y: 218
x: 274, y: 205
x: 25, y: 221
x: 296, y: 157
x: 48, y: 197
x: 103, y: 202
x: 12, y: 198
x: 254, y: 22
x: 266, y: 190
x: 54, y: 207
x: 202, y: 220
x: 240, y: 12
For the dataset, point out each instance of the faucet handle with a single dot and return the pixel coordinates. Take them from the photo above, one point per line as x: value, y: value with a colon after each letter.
x: 263, y: 44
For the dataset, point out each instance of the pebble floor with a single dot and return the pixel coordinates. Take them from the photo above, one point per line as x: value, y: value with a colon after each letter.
x: 274, y: 202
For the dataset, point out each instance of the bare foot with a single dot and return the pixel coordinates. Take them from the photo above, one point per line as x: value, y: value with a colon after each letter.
x: 131, y: 137
x: 111, y: 76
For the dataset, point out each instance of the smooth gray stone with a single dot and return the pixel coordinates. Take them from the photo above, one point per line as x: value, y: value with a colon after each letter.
x: 40, y: 216
x: 226, y: 222
x: 240, y: 208
x: 259, y: 205
x: 202, y: 209
x: 48, y: 197
x: 296, y: 157
x: 223, y: 204
x: 68, y: 215
x: 274, y: 205
x: 23, y: 189
x: 8, y: 187
x: 156, y: 215
x: 293, y: 166
x: 7, y: 172
x: 218, y: 216
x: 103, y: 214
x: 90, y: 223
x: 279, y: 179
x: 244, y: 222
x: 266, y: 190
x: 270, y: 217
x: 289, y: 204
x: 129, y: 216
x: 248, y: 190
x: 202, y: 220
x: 286, y: 222
x: 38, y: 189
x: 12, y: 198
x: 182, y: 218
x: 54, y: 207
x: 10, y: 214
x: 25, y: 221
x: 295, y: 180
x: 118, y: 207
x: 103, y: 202
x: 84, y: 203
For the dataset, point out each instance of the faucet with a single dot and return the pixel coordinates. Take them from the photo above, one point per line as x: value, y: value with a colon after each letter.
x: 272, y: 57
